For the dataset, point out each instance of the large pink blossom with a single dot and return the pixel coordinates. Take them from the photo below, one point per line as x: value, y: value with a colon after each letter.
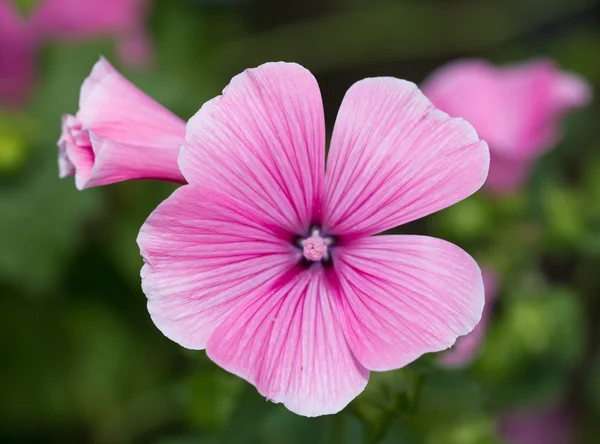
x: 516, y: 109
x: 82, y: 19
x: 268, y: 262
x: 467, y: 347
x: 119, y: 133
x: 17, y: 55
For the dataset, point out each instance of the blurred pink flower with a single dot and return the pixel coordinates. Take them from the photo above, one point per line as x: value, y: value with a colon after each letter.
x: 467, y: 347
x: 516, y: 109
x: 65, y: 19
x: 547, y: 425
x: 17, y: 56
x: 82, y: 19
x: 119, y: 133
x: 269, y: 263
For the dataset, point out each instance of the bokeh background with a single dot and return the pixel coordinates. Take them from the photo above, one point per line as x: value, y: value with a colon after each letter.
x: 81, y: 361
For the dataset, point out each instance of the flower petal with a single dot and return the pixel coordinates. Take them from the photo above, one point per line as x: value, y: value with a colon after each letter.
x: 139, y: 137
x: 404, y: 296
x: 113, y: 161
x: 66, y: 168
x: 263, y: 141
x: 100, y: 71
x: 135, y: 48
x: 289, y: 343
x: 467, y: 347
x: 546, y: 424
x: 205, y: 254
x: 18, y: 45
x: 395, y: 158
x: 507, y: 174
x: 516, y: 109
x: 81, y: 19
x: 535, y: 96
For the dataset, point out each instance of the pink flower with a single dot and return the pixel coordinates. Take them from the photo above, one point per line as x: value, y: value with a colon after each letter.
x: 549, y: 425
x: 81, y: 19
x: 17, y: 56
x: 268, y: 262
x: 516, y: 109
x: 119, y: 133
x: 467, y: 347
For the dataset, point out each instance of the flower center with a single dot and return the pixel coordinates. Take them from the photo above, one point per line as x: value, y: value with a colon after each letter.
x: 315, y: 247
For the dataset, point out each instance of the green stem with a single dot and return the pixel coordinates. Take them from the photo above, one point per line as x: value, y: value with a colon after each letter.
x: 384, y: 427
x: 337, y: 429
x: 396, y: 409
x: 417, y: 391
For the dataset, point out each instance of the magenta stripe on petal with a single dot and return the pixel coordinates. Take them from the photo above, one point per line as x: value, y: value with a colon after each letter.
x: 290, y: 344
x: 263, y: 140
x: 404, y: 296
x: 205, y: 254
x: 394, y: 158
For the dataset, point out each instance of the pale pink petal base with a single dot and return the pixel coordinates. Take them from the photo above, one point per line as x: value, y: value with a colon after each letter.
x: 404, y: 296
x: 289, y: 343
x: 395, y: 158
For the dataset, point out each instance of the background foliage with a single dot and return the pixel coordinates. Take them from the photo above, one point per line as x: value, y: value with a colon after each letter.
x: 81, y: 359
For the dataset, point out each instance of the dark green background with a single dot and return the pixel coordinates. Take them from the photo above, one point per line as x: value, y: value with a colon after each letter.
x: 81, y: 362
